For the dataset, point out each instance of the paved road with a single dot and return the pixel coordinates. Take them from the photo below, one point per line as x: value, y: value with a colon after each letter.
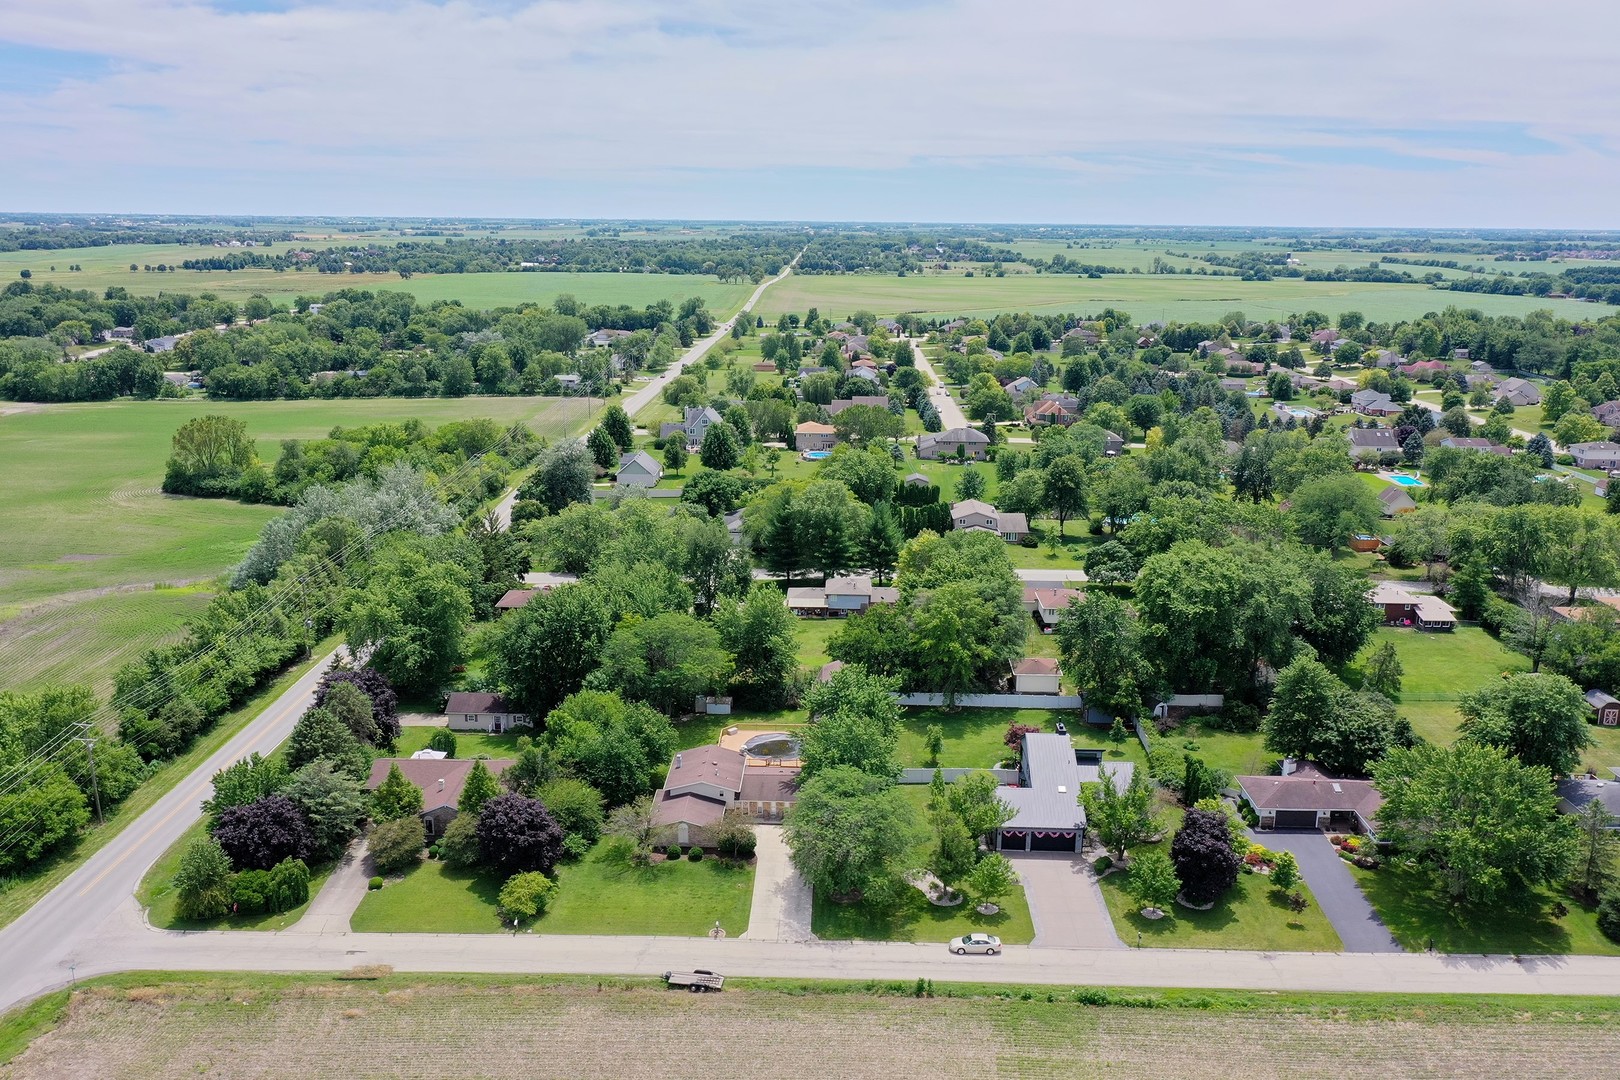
x: 1064, y: 901
x: 1337, y: 893
x: 66, y: 919
x: 950, y: 413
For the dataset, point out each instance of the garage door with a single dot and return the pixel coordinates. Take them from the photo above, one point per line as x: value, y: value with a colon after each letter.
x: 1052, y: 841
x: 1296, y: 819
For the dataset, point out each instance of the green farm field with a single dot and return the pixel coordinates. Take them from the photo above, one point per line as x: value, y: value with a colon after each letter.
x: 92, y: 545
x: 1145, y: 296
x: 451, y: 1026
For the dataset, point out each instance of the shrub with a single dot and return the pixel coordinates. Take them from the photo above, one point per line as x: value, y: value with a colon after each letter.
x: 289, y: 885
x: 673, y: 851
x: 1204, y: 860
x: 394, y: 845
x: 1608, y: 914
x: 1297, y: 902
x: 203, y: 881
x: 250, y: 892
x: 525, y: 895
x: 458, y: 846
x: 576, y: 805
x: 374, y: 884
x: 1103, y: 864
x: 575, y: 848
x: 262, y: 833
x: 443, y: 739
x: 517, y: 833
x: 1285, y: 875
x: 694, y: 854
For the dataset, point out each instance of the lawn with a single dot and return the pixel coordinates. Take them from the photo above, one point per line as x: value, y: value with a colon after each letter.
x: 1252, y: 915
x: 1439, y: 669
x: 469, y: 744
x: 87, y: 533
x: 593, y: 897
x: 913, y: 918
x: 158, y: 896
x: 1419, y: 917
x: 975, y: 738
x: 1238, y: 753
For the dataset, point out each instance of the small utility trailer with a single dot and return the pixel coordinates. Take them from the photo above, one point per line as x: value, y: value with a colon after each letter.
x: 699, y: 980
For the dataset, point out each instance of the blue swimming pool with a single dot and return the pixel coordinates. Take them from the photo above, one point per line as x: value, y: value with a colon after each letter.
x: 1405, y: 481
x: 817, y: 455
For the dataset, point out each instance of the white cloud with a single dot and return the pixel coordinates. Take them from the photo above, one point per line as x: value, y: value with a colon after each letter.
x: 455, y: 107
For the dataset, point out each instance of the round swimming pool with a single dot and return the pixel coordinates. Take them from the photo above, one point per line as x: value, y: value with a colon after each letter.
x: 772, y: 746
x: 817, y: 455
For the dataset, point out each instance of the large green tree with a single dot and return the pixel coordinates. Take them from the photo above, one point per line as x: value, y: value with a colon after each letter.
x: 1484, y: 826
x: 1330, y: 510
x: 759, y: 634
x: 1121, y: 818
x: 854, y: 722
x: 410, y: 615
x: 1538, y: 718
x: 848, y: 830
x: 666, y: 661
x: 543, y: 651
x: 1101, y: 646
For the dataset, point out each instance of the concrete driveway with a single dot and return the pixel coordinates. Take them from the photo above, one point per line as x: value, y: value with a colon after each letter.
x: 1337, y: 893
x: 781, y: 904
x: 1064, y: 901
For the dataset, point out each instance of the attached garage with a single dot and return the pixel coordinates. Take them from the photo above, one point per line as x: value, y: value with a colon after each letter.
x: 1308, y: 798
x: 1295, y: 819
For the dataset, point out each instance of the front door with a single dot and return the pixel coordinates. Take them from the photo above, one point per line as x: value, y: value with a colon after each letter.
x: 496, y: 729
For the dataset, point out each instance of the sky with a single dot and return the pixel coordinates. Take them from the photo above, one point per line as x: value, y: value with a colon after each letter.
x: 1404, y: 113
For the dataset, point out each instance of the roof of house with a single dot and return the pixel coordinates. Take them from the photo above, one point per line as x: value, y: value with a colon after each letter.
x: 972, y: 506
x: 1576, y: 792
x: 1387, y: 592
x: 476, y: 702
x: 1053, y: 598
x: 876, y: 401
x: 428, y: 774
x: 828, y: 670
x: 810, y: 427
x: 1052, y: 799
x: 957, y: 434
x: 1311, y: 793
x: 709, y: 764
x: 515, y: 598
x: 1036, y: 665
x: 770, y: 785
x: 1375, y: 438
x: 917, y: 479
x: 1475, y: 444
x: 1393, y: 496
x: 1012, y: 523
x: 641, y: 460
x: 1431, y: 609
x: 850, y: 584
x: 1602, y: 446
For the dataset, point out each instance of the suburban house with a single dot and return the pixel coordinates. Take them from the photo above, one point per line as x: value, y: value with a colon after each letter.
x: 119, y: 333
x: 1036, y: 675
x: 877, y: 401
x: 165, y: 343
x: 1596, y: 455
x: 1518, y: 392
x: 1403, y: 607
x: 945, y: 444
x: 1309, y: 799
x: 440, y: 780
x: 1454, y: 443
x: 640, y: 470
x: 1324, y: 337
x: 865, y: 370
x: 1021, y: 387
x: 1386, y: 359
x: 568, y: 381
x: 513, y: 599
x: 705, y: 781
x: 695, y: 425
x: 1607, y: 413
x: 1048, y: 605
x: 1371, y: 441
x: 813, y: 436
x: 1047, y: 815
x: 1373, y: 403
x: 1395, y: 500
x: 606, y: 337
x: 478, y: 711
x: 840, y: 596
x: 1575, y: 792
x: 1605, y: 708
x: 1425, y: 367
x: 1047, y: 412
x: 1112, y: 444
x: 976, y: 514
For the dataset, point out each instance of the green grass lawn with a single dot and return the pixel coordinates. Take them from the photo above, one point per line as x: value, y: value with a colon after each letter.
x: 469, y: 744
x: 1241, y: 754
x: 1418, y: 916
x: 682, y: 899
x: 1252, y: 915
x: 1439, y: 669
x: 974, y: 738
x: 812, y: 636
x: 913, y: 918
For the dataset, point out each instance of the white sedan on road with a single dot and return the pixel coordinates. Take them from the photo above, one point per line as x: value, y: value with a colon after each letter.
x: 988, y: 944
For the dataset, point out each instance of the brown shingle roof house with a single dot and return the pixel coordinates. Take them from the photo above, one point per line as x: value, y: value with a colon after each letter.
x: 1312, y: 802
x: 440, y: 781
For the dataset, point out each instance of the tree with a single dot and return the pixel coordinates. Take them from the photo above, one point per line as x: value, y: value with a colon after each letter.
x: 1118, y: 818
x: 320, y: 736
x: 411, y: 616
x: 759, y: 634
x: 373, y: 684
x: 525, y: 895
x: 1285, y: 871
x: 992, y: 878
x: 934, y: 741
x: 353, y: 709
x: 543, y: 651
x: 479, y: 788
x: 562, y: 476
x: 444, y: 741
x: 637, y: 822
x: 973, y: 799
x: 604, y: 452
x: 245, y: 781
x: 576, y: 805
x: 614, y: 745
x: 970, y: 484
x: 617, y: 425
x: 1065, y: 489
x: 880, y: 548
x: 458, y: 847
x: 675, y: 455
x: 1306, y: 694
x: 954, y: 850
x: 203, y: 881
x: 396, y: 797
x: 262, y: 833
x: 396, y: 845
x: 334, y: 805
x: 1101, y: 646
x: 1330, y: 510
x: 1483, y: 825
x: 1538, y: 718
x: 1204, y: 860
x: 1152, y: 880
x: 516, y: 833
x: 716, y: 492
x: 1383, y: 671
x: 47, y: 811
x: 1197, y: 781
x: 666, y: 661
x: 862, y: 425
x: 208, y: 456
x: 720, y: 450
x: 855, y: 723
x: 847, y: 831
x: 1597, y: 850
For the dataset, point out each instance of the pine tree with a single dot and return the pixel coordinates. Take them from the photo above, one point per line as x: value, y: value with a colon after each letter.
x: 478, y: 790
x: 881, y: 547
x: 603, y: 450
x: 396, y: 797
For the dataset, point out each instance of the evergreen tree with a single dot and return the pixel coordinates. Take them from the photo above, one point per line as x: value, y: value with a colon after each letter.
x: 882, y: 542
x: 617, y: 425
x: 396, y: 797
x: 603, y: 450
x: 478, y: 790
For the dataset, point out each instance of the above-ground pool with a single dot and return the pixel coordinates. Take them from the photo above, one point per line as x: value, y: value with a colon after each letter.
x: 817, y: 455
x: 772, y: 746
x: 1405, y: 481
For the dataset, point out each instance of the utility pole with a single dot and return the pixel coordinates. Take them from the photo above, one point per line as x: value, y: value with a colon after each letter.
x: 90, y: 753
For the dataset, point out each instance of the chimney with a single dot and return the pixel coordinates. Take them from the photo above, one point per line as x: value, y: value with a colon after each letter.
x: 677, y: 761
x: 441, y: 783
x: 1288, y: 766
